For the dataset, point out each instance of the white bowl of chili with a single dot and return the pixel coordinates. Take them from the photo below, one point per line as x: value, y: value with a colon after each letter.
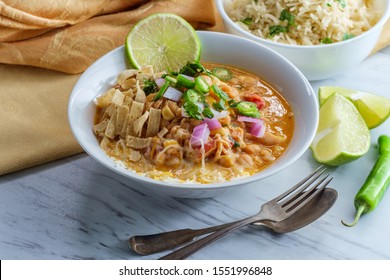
x: 322, y: 40
x: 297, y: 103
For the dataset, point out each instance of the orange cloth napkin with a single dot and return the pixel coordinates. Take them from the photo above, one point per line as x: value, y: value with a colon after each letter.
x: 42, y: 41
x: 67, y: 36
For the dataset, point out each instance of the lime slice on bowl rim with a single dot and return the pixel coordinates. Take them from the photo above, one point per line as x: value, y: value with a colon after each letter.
x: 342, y: 135
x: 375, y: 109
x: 163, y: 40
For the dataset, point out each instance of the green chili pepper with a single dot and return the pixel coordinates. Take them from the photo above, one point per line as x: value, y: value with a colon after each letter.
x: 219, y: 106
x: 201, y: 85
x: 219, y: 92
x: 184, y: 82
x: 170, y: 79
x: 208, y: 113
x: 222, y: 73
x: 376, y: 184
x: 248, y: 109
x: 191, y: 95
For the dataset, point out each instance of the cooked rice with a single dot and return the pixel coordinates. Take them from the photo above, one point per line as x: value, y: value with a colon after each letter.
x: 315, y: 22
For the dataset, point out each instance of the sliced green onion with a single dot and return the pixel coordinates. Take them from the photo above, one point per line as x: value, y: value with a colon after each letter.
x: 249, y: 109
x: 170, y: 79
x: 219, y: 92
x: 184, y: 82
x: 161, y: 91
x: 201, y: 85
x: 222, y: 73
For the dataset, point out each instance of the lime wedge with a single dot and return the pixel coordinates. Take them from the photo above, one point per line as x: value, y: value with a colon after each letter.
x: 375, y: 109
x: 342, y: 135
x: 163, y: 40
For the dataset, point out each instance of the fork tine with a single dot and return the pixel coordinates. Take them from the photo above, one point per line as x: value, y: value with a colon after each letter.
x: 317, y: 172
x: 302, y: 192
x: 309, y: 195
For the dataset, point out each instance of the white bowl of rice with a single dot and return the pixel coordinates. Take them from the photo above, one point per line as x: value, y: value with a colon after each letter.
x: 322, y: 38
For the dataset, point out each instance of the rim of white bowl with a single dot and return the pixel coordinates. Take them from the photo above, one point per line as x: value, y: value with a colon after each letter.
x: 196, y: 186
x: 381, y: 22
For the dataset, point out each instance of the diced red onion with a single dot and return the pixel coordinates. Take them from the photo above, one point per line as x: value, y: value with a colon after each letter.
x: 160, y: 82
x: 173, y: 94
x: 188, y: 77
x: 200, y: 105
x: 258, y: 129
x: 249, y: 119
x: 219, y: 115
x: 212, y: 123
x: 200, y: 135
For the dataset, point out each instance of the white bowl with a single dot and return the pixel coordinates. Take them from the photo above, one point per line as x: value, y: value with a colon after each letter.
x: 319, y: 61
x: 219, y: 48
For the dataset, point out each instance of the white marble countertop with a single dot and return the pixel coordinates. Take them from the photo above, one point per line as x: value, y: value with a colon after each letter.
x: 77, y: 209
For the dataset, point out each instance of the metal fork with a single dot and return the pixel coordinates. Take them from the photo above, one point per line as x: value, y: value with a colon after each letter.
x: 276, y: 210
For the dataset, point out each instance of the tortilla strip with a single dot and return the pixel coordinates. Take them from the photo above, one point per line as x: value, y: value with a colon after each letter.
x: 147, y: 69
x: 121, y: 115
x: 134, y: 155
x: 162, y: 132
x: 140, y: 96
x: 101, y: 127
x: 125, y: 127
x: 109, y: 112
x: 137, y: 142
x: 128, y: 84
x: 105, y: 143
x: 118, y: 97
x: 135, y: 111
x: 110, y: 130
x: 153, y: 122
x: 139, y: 124
x: 134, y: 114
x: 105, y: 99
x: 128, y: 101
x: 125, y: 75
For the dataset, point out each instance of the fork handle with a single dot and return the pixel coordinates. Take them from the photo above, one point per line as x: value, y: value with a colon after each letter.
x: 193, y: 247
x: 154, y: 243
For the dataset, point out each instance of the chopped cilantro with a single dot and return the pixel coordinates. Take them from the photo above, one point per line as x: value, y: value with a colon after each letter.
x: 235, y: 143
x: 192, y: 110
x: 191, y: 69
x: 328, y: 4
x: 247, y: 21
x: 150, y: 86
x: 326, y: 40
x: 347, y: 36
x: 276, y: 29
x: 285, y: 15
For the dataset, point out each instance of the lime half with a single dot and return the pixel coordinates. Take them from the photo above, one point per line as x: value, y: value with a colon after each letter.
x: 163, y: 40
x: 375, y: 109
x: 342, y: 135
